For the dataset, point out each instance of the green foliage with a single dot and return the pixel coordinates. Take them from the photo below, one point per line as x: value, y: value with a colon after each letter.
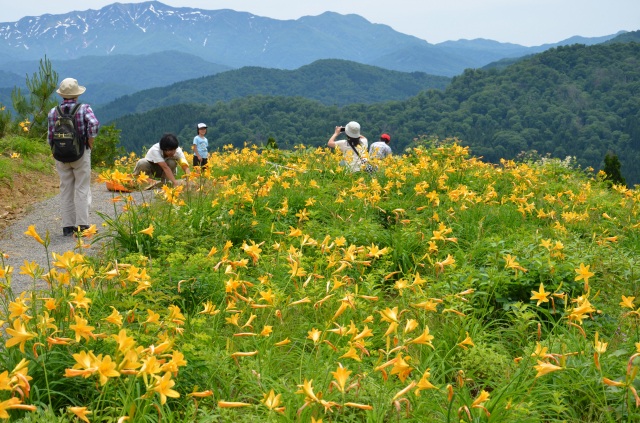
x: 20, y: 155
x: 488, y: 367
x: 105, y: 147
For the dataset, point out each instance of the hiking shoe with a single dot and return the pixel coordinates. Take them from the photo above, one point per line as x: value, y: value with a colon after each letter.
x: 68, y: 230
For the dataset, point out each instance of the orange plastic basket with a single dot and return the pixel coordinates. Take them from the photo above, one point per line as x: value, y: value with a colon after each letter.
x: 114, y: 186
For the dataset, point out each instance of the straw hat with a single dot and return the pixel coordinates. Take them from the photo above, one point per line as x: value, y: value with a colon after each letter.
x: 69, y: 88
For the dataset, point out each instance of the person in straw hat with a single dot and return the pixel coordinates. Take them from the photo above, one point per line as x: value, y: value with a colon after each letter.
x: 75, y: 176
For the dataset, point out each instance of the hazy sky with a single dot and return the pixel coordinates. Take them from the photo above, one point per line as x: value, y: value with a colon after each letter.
x: 525, y: 22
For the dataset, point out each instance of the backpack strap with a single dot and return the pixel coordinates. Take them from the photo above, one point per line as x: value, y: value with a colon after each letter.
x: 73, y: 111
x: 356, y: 151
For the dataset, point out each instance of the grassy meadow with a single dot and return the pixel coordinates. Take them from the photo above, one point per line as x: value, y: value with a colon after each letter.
x: 277, y: 287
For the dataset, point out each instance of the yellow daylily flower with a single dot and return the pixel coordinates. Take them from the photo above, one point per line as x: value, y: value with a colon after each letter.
x: 82, y: 329
x: 466, y: 341
x: 307, y: 389
x: 19, y: 335
x: 543, y: 368
x: 210, y: 309
x: 584, y: 274
x: 31, y: 231
x: 125, y: 342
x: 115, y: 317
x: 13, y: 404
x: 163, y: 387
x: 424, y: 339
x: 424, y: 383
x: 541, y: 295
x: 314, y: 334
x: 81, y: 413
x: 341, y: 375
x: 147, y: 231
x: 352, y: 353
x: 273, y: 401
x: 627, y: 302
x: 106, y: 368
x: 401, y: 368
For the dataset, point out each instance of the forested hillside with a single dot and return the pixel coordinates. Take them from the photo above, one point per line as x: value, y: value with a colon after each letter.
x: 331, y: 82
x: 576, y: 100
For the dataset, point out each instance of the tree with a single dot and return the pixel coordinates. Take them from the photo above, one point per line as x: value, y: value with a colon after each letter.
x: 612, y: 169
x: 272, y: 144
x: 35, y: 108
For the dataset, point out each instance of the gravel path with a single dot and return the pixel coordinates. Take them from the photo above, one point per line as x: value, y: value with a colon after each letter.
x: 46, y: 217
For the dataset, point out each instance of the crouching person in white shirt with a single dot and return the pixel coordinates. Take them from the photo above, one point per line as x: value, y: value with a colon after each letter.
x: 162, y: 160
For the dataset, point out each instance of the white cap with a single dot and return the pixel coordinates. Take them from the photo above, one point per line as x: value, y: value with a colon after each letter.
x: 202, y: 125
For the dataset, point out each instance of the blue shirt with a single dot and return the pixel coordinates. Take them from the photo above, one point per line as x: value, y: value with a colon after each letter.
x: 201, y: 144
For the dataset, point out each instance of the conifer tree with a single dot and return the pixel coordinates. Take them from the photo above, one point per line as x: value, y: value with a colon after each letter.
x: 612, y: 169
x: 36, y: 106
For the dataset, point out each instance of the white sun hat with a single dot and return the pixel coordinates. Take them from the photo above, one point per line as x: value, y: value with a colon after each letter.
x: 352, y: 129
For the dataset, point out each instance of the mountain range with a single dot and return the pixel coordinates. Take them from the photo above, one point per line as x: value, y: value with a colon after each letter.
x: 329, y: 81
x: 231, y: 39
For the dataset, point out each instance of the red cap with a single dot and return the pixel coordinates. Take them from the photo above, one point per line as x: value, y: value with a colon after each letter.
x: 385, y: 137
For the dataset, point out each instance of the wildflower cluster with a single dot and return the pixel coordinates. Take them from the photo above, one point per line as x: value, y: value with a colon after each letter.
x: 277, y: 285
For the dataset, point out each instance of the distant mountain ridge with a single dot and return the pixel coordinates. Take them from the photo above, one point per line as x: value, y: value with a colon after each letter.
x: 237, y: 39
x: 113, y: 76
x: 330, y: 81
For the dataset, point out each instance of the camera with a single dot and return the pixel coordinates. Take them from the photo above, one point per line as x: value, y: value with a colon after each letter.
x: 342, y: 128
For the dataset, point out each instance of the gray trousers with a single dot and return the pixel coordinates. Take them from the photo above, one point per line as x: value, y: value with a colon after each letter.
x: 75, y: 190
x: 154, y: 170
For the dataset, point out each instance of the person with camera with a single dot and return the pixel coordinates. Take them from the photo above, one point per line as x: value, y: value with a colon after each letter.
x: 353, y: 148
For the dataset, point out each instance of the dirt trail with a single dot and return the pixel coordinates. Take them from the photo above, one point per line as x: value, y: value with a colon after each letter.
x: 18, y: 247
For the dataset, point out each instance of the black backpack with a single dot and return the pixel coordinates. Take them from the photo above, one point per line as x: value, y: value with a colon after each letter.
x: 68, y: 145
